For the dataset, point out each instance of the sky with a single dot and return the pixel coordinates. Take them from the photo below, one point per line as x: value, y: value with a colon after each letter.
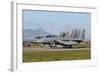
x: 56, y: 22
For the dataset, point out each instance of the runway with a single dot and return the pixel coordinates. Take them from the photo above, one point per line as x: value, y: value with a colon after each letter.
x: 52, y: 49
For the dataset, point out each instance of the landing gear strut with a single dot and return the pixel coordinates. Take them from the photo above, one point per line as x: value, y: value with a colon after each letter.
x: 70, y: 46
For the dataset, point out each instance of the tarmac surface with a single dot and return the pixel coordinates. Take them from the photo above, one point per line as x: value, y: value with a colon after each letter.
x: 52, y: 49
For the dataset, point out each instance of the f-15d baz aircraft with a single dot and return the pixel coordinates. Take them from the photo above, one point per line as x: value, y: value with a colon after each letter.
x: 63, y: 40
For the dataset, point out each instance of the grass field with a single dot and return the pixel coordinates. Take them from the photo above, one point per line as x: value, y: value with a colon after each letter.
x: 39, y: 56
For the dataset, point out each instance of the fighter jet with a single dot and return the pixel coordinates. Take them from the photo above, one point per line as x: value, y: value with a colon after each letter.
x: 65, y: 39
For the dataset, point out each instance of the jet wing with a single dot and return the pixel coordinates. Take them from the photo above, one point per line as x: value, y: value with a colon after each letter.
x: 65, y: 42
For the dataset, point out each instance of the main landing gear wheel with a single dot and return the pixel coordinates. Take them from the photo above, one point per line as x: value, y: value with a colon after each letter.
x: 70, y: 46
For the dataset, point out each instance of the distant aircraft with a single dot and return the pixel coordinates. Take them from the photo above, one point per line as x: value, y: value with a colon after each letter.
x: 63, y: 40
